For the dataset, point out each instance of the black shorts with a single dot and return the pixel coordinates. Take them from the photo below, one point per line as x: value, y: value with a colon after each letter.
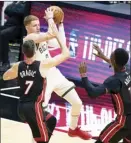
x: 33, y: 114
x: 116, y: 130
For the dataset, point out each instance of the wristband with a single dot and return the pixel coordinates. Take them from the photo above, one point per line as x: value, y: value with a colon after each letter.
x: 83, y: 75
x: 50, y: 18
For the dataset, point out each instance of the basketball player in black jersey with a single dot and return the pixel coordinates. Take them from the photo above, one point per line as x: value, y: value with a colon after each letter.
x: 32, y: 81
x: 119, y: 87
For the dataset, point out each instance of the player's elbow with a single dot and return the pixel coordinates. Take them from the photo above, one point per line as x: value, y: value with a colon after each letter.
x: 67, y: 54
x: 92, y: 94
x: 5, y: 77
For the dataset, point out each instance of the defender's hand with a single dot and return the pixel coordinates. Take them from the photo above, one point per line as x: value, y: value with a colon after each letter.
x: 99, y: 51
x: 49, y: 14
x: 83, y: 69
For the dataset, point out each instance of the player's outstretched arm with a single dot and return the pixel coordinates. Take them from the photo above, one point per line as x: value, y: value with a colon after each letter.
x: 100, y: 54
x: 40, y: 37
x: 89, y: 87
x: 11, y: 73
x: 64, y: 51
x: 53, y: 43
x: 111, y: 85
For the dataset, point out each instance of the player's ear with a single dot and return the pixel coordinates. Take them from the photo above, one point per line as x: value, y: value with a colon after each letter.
x: 115, y: 65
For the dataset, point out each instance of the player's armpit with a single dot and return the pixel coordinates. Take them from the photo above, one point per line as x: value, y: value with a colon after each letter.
x: 39, y: 37
x: 11, y: 73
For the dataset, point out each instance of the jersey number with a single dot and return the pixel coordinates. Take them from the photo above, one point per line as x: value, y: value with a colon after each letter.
x: 29, y: 85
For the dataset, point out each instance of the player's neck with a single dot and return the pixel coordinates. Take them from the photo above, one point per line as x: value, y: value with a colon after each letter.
x: 29, y: 33
x: 30, y: 60
x: 119, y: 69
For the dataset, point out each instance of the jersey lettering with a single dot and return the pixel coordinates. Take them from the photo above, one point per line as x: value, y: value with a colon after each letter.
x: 42, y: 48
x: 127, y: 80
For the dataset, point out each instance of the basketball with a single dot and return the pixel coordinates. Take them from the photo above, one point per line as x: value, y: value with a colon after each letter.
x: 58, y: 14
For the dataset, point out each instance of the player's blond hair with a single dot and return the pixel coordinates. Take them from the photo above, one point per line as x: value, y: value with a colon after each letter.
x: 29, y: 18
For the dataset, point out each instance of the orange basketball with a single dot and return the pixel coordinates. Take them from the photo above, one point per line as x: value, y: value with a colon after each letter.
x: 58, y: 14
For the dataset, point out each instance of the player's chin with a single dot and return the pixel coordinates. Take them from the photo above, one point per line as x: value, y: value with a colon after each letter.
x: 37, y: 31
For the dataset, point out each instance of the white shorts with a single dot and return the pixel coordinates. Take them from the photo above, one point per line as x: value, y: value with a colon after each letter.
x: 58, y: 83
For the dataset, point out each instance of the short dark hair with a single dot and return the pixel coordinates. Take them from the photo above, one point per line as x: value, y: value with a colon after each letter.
x: 28, y: 48
x: 121, y: 57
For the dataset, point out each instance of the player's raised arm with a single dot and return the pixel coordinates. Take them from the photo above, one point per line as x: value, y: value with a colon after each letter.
x: 54, y: 42
x: 100, y: 54
x: 39, y: 37
x: 11, y: 73
x: 61, y: 57
x: 89, y: 87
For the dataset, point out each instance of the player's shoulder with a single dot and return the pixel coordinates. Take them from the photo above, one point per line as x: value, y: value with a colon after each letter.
x: 111, y: 79
x: 15, y: 65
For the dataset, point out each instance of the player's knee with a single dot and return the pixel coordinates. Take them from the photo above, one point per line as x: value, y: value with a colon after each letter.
x: 77, y: 104
x: 76, y: 108
x: 53, y: 118
x: 51, y: 122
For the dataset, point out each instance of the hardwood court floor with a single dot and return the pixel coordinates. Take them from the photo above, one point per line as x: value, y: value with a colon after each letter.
x: 15, y: 132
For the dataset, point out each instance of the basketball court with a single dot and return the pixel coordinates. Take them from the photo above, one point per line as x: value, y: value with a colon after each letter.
x: 16, y: 132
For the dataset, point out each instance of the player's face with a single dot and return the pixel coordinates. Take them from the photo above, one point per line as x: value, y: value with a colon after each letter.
x: 33, y: 27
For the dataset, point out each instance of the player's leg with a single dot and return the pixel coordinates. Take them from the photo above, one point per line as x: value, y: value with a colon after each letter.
x: 127, y: 139
x: 33, y: 114
x: 113, y: 132
x: 20, y: 112
x: 50, y: 121
x: 49, y: 89
x: 65, y: 89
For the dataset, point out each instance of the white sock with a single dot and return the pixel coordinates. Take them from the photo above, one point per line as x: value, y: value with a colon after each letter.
x: 74, y: 122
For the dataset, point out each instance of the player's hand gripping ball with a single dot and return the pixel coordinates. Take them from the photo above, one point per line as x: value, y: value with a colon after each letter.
x: 58, y: 14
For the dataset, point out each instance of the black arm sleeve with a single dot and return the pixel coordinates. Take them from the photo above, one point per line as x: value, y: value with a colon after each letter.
x: 113, y: 85
x: 91, y: 89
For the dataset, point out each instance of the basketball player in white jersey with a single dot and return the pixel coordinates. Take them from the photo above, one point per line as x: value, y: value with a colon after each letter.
x: 55, y: 80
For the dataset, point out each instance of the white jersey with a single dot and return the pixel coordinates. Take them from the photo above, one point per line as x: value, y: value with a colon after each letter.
x: 56, y: 81
x: 42, y: 53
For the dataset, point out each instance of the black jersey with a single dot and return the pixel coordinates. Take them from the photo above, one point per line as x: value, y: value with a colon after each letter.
x: 118, y: 85
x: 31, y: 82
x: 121, y: 98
